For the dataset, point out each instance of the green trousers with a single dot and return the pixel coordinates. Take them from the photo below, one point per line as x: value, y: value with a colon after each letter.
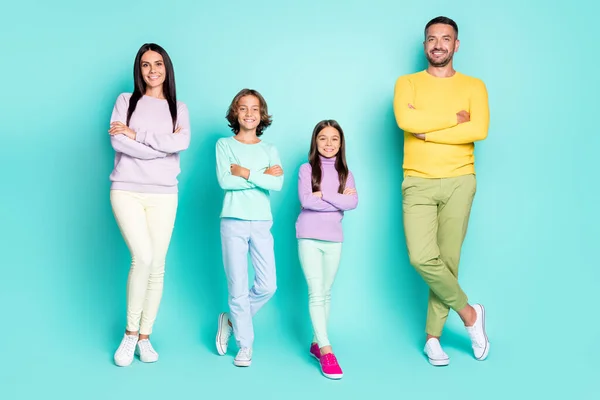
x: 320, y: 261
x: 436, y: 214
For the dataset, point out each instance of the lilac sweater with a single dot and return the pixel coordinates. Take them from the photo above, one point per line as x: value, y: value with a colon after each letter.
x: 150, y: 163
x: 321, y: 218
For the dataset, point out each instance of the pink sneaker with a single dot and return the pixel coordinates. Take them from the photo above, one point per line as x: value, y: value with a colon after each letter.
x: 315, y: 351
x: 330, y: 367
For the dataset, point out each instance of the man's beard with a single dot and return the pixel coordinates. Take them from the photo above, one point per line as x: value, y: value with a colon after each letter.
x: 441, y: 63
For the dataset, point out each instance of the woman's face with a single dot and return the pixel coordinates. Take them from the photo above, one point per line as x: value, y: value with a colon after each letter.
x: 153, y: 69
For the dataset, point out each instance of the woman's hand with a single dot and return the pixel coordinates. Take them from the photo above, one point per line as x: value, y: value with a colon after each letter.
x: 119, y: 128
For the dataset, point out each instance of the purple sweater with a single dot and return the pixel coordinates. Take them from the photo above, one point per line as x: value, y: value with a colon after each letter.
x: 150, y: 163
x: 321, y: 218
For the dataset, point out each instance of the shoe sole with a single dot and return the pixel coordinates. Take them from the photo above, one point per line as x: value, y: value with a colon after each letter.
x: 487, y: 342
x: 438, y: 363
x: 222, y: 351
x: 137, y: 353
x: 333, y: 376
x: 242, y: 363
x: 313, y: 356
x: 118, y: 364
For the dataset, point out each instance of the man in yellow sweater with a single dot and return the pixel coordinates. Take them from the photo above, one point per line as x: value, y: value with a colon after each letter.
x: 442, y: 113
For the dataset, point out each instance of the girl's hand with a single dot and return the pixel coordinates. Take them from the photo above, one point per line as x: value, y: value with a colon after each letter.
x: 349, y: 191
x: 318, y: 194
x: 275, y: 170
x: 238, y: 170
x: 119, y: 128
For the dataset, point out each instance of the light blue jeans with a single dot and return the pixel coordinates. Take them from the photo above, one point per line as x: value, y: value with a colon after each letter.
x: 238, y: 237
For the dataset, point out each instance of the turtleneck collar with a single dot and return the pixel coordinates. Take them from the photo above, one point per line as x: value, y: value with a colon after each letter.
x: 327, y: 161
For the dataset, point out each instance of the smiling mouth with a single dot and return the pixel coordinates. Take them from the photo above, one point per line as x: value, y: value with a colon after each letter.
x: 438, y: 53
x: 153, y: 77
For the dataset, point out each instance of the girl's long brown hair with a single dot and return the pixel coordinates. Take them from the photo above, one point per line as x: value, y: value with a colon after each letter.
x: 340, y: 160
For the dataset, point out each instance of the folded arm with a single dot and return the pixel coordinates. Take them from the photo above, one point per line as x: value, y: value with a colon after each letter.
x: 227, y: 181
x: 474, y: 130
x: 343, y: 202
x: 169, y: 142
x: 124, y: 144
x: 305, y: 192
x: 266, y: 181
x: 417, y: 121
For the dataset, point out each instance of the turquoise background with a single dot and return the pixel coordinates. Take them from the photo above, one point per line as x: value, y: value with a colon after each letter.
x: 530, y: 255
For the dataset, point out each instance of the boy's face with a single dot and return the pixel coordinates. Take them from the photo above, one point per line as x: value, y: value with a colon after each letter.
x: 248, y: 113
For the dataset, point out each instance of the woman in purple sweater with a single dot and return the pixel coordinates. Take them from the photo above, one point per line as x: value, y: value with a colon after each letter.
x: 326, y: 189
x: 148, y: 130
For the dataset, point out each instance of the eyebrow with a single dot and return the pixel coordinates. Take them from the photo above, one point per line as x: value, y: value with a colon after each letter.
x: 150, y: 62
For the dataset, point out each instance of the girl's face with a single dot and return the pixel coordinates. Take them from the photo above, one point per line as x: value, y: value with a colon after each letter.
x: 248, y: 113
x: 328, y: 142
x: 153, y: 69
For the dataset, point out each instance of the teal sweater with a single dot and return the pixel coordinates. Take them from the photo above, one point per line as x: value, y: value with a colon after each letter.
x: 247, y: 199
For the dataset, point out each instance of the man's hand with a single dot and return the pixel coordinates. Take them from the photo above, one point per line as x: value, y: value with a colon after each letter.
x: 463, y: 116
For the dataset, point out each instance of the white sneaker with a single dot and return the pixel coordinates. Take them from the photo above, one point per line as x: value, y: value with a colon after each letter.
x: 479, y: 339
x: 435, y: 353
x: 223, y: 334
x: 124, y: 354
x: 146, y: 351
x: 243, y: 358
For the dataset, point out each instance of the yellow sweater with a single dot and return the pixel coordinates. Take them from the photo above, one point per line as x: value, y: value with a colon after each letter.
x: 447, y: 150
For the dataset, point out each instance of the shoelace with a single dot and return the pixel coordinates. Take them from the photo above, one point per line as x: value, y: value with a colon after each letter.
x: 128, y: 344
x: 245, y: 353
x: 477, y: 338
x: 328, y: 359
x: 146, y: 346
x: 226, y: 334
x: 436, y: 348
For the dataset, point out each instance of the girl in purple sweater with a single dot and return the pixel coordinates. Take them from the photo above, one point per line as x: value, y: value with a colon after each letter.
x: 148, y: 130
x: 326, y: 189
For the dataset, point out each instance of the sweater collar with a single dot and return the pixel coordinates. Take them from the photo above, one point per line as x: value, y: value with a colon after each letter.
x: 327, y: 161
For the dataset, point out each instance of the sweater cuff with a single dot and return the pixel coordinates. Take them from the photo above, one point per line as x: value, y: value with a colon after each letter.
x: 140, y: 136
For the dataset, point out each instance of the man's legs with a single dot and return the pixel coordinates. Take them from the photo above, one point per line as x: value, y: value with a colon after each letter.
x: 453, y: 217
x: 421, y: 199
x: 435, y: 208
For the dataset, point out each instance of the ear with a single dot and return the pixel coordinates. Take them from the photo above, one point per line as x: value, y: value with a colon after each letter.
x: 456, y: 45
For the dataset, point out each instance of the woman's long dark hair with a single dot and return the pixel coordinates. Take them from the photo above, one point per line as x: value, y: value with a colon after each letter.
x: 140, y: 85
x: 340, y: 159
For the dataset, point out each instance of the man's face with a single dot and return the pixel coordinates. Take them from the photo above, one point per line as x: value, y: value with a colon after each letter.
x: 440, y: 44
